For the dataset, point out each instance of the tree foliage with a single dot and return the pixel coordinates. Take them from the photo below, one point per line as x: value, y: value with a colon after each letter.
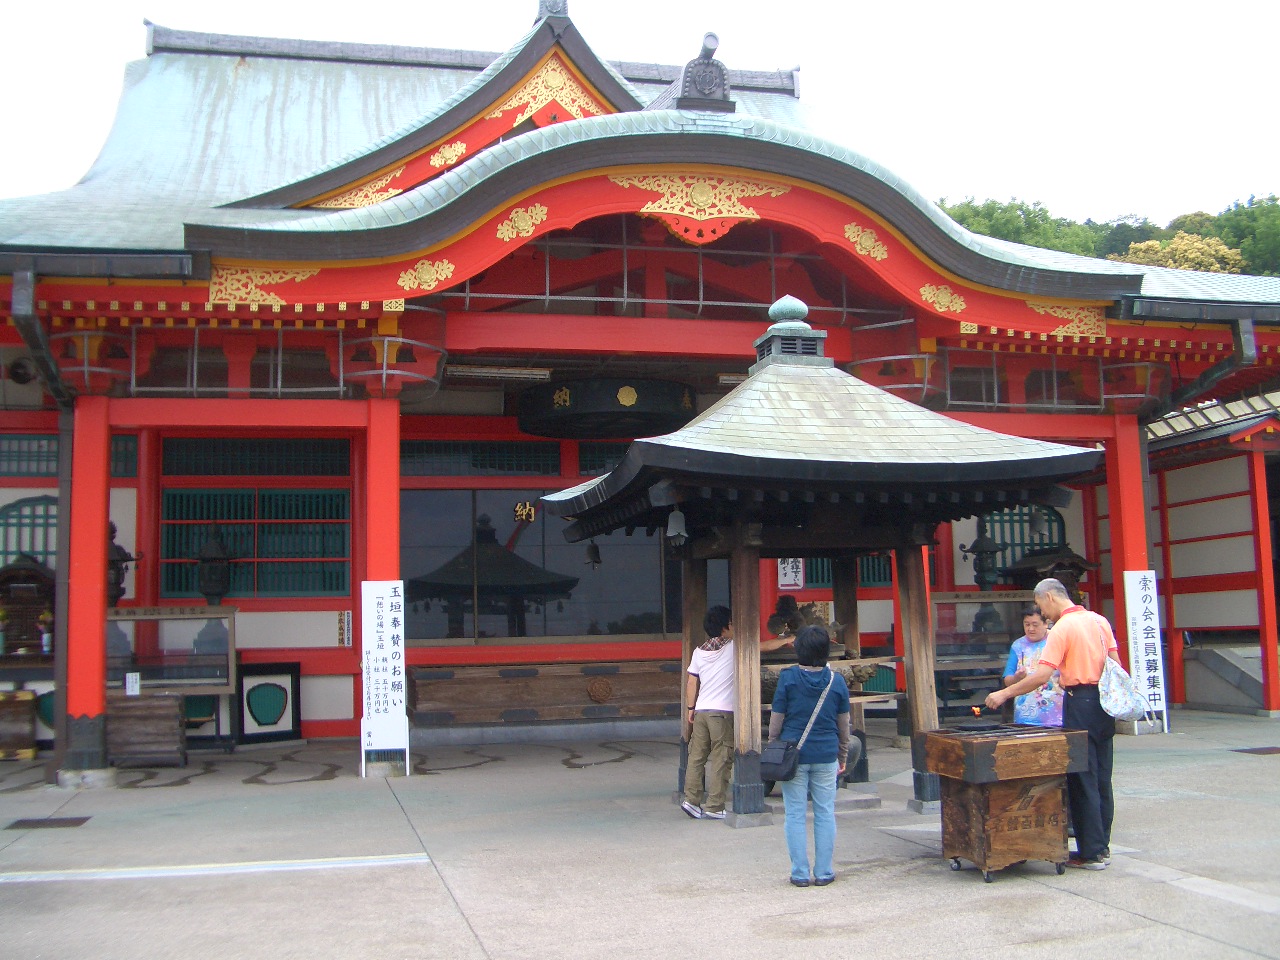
x: 1244, y: 238
x: 1185, y: 251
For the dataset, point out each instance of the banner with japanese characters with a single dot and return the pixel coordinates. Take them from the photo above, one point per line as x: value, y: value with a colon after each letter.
x: 1146, y: 666
x: 384, y: 728
x: 791, y: 573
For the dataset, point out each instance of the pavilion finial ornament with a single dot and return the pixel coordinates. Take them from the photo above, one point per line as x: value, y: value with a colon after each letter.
x: 552, y: 8
x: 705, y: 82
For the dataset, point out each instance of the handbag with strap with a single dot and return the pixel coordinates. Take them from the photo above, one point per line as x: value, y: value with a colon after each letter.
x: 780, y: 758
x: 1118, y: 692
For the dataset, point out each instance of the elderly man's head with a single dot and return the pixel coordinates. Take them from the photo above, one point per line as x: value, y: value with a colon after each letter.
x: 1052, y: 598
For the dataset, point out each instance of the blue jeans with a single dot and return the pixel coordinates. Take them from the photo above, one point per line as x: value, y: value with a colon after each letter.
x: 816, y: 780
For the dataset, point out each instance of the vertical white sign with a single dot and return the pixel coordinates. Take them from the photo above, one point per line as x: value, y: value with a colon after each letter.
x: 384, y: 728
x: 791, y: 573
x: 1142, y: 605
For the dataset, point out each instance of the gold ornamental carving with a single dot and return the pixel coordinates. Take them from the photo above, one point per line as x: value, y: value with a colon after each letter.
x: 521, y: 222
x: 942, y: 298
x: 449, y: 154
x: 967, y: 327
x: 865, y: 242
x: 365, y: 195
x: 552, y: 83
x: 701, y: 198
x: 1080, y: 321
x: 244, y: 284
x: 426, y: 275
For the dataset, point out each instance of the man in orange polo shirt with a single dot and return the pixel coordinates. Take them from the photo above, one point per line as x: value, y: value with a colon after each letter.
x: 1077, y: 647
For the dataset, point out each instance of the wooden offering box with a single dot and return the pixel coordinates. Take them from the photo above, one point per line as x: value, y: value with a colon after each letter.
x: 1004, y: 792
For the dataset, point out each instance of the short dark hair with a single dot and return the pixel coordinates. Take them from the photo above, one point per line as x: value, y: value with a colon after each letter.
x: 1031, y: 610
x: 716, y: 620
x: 813, y: 645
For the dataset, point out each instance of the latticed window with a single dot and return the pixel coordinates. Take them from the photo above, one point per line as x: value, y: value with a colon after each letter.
x: 447, y: 458
x: 596, y: 458
x: 294, y: 543
x: 874, y: 570
x: 36, y: 455
x: 29, y: 526
x: 1023, y: 528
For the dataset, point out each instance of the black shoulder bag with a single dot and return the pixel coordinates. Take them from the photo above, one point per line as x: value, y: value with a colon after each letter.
x: 779, y: 758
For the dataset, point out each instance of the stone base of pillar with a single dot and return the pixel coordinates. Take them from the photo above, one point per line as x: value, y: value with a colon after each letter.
x: 748, y: 789
x: 86, y: 743
x: 740, y: 820
x: 862, y: 796
x: 87, y: 779
x: 924, y: 806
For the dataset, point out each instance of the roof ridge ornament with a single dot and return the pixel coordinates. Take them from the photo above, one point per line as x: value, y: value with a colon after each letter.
x: 552, y: 8
x: 790, y: 340
x: 705, y: 82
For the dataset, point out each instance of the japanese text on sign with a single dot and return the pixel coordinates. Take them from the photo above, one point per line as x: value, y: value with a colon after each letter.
x: 1146, y: 666
x: 385, y: 724
x: 791, y: 573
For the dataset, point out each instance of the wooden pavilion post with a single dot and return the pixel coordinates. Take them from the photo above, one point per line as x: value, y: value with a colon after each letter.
x: 918, y: 658
x: 693, y: 606
x: 744, y: 587
x: 844, y: 594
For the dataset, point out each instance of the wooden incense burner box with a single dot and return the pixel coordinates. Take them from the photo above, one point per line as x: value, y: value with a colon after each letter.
x: 1004, y: 792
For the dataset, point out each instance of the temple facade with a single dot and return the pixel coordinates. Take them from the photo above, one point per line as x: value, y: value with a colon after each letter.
x: 328, y: 313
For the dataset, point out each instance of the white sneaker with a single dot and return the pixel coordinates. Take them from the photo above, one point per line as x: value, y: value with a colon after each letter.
x: 691, y: 810
x: 712, y: 814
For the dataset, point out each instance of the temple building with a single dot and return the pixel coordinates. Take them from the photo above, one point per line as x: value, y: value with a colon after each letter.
x: 326, y: 313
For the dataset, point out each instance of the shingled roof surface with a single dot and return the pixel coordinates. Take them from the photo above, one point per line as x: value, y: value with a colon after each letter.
x: 821, y: 428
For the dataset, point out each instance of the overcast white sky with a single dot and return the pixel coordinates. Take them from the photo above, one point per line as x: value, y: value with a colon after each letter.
x: 1095, y: 109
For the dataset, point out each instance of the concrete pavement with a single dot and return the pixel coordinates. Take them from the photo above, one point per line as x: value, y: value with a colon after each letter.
x: 575, y: 849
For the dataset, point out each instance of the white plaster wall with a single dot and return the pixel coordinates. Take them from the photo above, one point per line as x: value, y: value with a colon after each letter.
x: 1211, y: 519
x: 328, y: 698
x: 875, y: 616
x: 1230, y: 608
x: 1207, y: 480
x: 310, y: 628
x: 1209, y: 557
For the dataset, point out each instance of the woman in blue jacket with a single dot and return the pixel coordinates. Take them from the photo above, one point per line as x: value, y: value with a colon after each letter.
x: 823, y: 755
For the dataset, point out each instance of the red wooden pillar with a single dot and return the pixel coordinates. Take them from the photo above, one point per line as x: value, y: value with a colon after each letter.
x: 1176, y: 681
x: 87, y: 586
x: 1266, y: 585
x: 146, y: 574
x: 382, y: 491
x: 1127, y: 509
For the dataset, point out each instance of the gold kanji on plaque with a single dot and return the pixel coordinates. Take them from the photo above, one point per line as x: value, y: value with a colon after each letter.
x: 526, y: 512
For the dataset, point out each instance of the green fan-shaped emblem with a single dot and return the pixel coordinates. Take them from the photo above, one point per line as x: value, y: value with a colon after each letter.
x: 266, y: 703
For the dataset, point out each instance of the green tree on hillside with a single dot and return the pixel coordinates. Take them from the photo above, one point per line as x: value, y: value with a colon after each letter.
x: 1027, y: 223
x: 1254, y: 227
x: 1186, y: 251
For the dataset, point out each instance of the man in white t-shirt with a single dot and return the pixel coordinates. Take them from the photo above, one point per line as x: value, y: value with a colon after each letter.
x: 711, y: 690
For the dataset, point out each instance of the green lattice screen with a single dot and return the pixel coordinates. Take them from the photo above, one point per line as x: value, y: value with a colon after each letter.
x: 29, y: 525
x: 596, y: 458
x: 36, y: 455
x: 1024, y: 528
x: 238, y: 457
x: 875, y: 570
x: 293, y: 543
x: 447, y: 458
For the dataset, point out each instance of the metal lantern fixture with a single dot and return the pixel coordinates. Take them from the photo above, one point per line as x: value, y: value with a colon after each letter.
x: 676, y: 531
x: 213, y: 569
x: 984, y: 551
x: 118, y: 560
